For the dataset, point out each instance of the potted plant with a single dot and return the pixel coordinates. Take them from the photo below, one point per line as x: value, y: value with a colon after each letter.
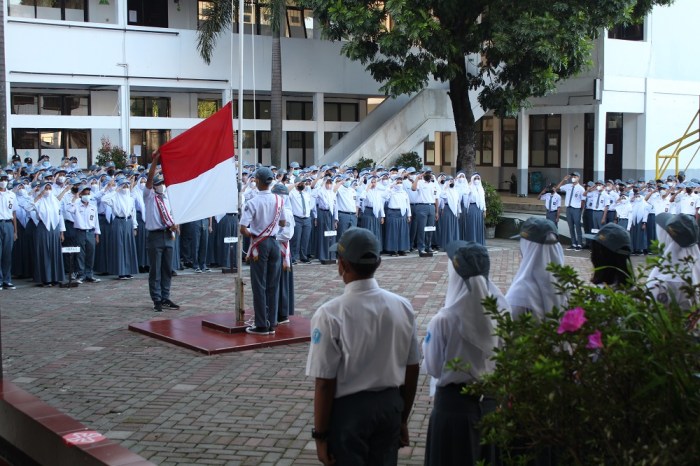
x: 494, y: 209
x: 612, y: 378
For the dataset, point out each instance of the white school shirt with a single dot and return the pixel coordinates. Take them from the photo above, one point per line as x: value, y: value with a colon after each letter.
x: 688, y: 204
x: 552, y: 202
x: 426, y: 192
x: 574, y: 195
x: 599, y: 200
x: 151, y: 216
x: 346, y: 200
x: 84, y: 215
x: 350, y: 343
x: 8, y: 202
x: 299, y: 208
x: 260, y: 211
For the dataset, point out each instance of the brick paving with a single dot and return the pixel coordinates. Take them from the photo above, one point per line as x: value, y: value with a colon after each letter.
x: 72, y: 349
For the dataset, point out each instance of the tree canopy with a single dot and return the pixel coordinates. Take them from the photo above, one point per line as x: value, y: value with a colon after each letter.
x: 523, y: 47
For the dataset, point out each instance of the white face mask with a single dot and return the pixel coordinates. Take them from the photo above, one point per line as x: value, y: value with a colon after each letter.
x: 160, y: 189
x: 461, y: 180
x: 477, y: 182
x: 385, y: 182
x: 663, y: 192
x: 253, y: 184
x: 61, y: 179
x: 22, y: 192
x: 3, y: 184
x: 47, y: 193
x: 599, y: 188
x: 574, y: 179
x: 86, y: 198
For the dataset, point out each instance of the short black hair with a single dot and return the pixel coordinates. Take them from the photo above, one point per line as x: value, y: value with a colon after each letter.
x: 610, y: 268
x: 364, y: 271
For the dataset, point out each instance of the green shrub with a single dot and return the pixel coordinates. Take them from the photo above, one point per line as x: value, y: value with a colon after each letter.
x: 620, y: 388
x: 494, y: 205
x: 110, y: 153
x: 364, y: 163
x: 409, y: 159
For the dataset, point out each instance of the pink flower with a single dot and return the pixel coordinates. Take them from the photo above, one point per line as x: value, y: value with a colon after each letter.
x: 595, y: 340
x: 572, y: 320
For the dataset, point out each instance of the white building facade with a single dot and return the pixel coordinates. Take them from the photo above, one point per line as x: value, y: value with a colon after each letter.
x: 128, y: 71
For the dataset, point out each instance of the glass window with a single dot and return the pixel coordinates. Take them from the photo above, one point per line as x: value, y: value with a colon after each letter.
x: 207, y: 107
x: 51, y: 105
x: 202, y: 9
x: 334, y: 111
x: 150, y: 106
x: 545, y: 140
x: 74, y: 10
x: 51, y: 139
x: 300, y: 111
x: 66, y: 10
x: 447, y: 140
x: 300, y: 147
x: 25, y: 138
x: 77, y: 105
x: 509, y: 142
x: 330, y: 138
x: 429, y: 153
x: 633, y: 32
x: 484, y: 141
x: 149, y: 140
x: 25, y: 104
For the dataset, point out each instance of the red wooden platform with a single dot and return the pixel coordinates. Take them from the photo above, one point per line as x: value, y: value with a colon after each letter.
x: 220, y: 333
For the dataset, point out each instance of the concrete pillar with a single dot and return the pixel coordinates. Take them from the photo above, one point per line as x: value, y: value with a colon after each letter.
x: 319, y: 118
x: 600, y: 116
x: 523, y: 152
x: 125, y: 114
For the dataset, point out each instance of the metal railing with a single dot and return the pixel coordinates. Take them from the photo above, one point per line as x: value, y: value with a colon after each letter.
x: 689, y: 139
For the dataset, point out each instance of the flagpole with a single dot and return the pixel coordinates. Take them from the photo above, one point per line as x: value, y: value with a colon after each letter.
x: 239, y: 176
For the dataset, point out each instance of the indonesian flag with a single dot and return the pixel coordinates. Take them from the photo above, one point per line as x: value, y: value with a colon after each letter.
x: 200, y: 171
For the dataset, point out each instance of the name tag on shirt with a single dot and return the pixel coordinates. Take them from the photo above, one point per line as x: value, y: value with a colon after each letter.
x: 230, y: 239
x: 330, y: 233
x: 429, y: 229
x: 70, y: 249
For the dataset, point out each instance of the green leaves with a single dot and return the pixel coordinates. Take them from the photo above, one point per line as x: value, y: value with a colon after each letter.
x: 633, y: 400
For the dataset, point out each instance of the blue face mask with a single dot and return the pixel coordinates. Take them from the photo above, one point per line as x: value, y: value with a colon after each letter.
x: 74, y: 165
x: 295, y: 173
x: 347, y: 184
x: 45, y: 164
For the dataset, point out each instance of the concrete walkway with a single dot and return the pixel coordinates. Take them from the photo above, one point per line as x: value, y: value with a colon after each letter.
x: 72, y: 349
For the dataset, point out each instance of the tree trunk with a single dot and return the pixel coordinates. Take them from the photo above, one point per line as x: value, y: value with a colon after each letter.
x: 276, y: 88
x: 464, y: 120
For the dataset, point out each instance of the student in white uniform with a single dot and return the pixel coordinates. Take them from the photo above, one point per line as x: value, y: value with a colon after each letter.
x: 573, y: 203
x: 425, y: 211
x: 87, y: 232
x: 8, y: 231
x: 552, y: 204
x: 533, y: 287
x: 262, y: 217
x: 679, y: 235
x: 365, y: 383
x: 462, y: 330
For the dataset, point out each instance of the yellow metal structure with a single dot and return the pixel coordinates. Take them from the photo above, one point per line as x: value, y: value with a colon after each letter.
x: 689, y: 139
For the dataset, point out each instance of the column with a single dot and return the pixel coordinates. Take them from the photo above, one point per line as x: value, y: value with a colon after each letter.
x: 319, y: 118
x: 599, y: 151
x: 523, y: 152
x: 125, y: 113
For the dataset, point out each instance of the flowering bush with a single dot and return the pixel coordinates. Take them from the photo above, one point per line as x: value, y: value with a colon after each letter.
x: 613, y: 379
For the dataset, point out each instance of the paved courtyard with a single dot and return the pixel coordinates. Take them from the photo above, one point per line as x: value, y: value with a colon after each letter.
x: 72, y: 349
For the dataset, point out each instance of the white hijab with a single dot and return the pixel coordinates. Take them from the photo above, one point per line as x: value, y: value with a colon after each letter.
x: 463, y: 304
x: 477, y: 191
x: 677, y: 254
x: 452, y: 196
x: 48, y: 210
x: 533, y: 286
x: 376, y: 197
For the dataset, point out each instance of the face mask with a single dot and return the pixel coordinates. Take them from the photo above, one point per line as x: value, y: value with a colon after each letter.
x: 22, y: 192
x: 347, y: 184
x: 328, y: 187
x: 94, y: 185
x: 300, y: 187
x: 295, y: 173
x: 385, y: 182
x: 452, y: 185
x: 461, y: 180
x: 16, y: 164
x: 74, y: 189
x: 45, y: 164
x: 426, y: 178
x: 599, y: 188
x: 477, y: 182
x: 307, y: 188
x: 74, y: 166
x: 160, y: 189
x: 663, y: 192
x: 86, y: 198
x: 47, y: 193
x: 608, y: 188
x: 253, y: 184
x: 110, y: 172
x: 574, y: 179
x: 3, y: 184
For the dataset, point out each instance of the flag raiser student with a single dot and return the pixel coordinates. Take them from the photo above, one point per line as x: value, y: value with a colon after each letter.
x: 161, y: 238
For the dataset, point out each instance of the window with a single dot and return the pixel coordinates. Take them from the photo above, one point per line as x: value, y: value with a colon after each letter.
x: 299, y: 22
x: 545, y: 140
x: 633, y: 32
x: 341, y: 111
x: 50, y: 104
x: 256, y: 147
x: 202, y: 11
x: 66, y: 142
x: 258, y: 111
x: 484, y: 141
x: 509, y: 142
x: 447, y: 147
x: 331, y: 138
x: 207, y: 107
x: 300, y: 111
x: 429, y: 153
x: 150, y: 106
x: 300, y: 147
x: 149, y: 140
x: 152, y: 13
x: 63, y: 10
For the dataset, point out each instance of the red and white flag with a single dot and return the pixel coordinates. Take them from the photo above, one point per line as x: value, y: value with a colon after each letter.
x: 200, y: 171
